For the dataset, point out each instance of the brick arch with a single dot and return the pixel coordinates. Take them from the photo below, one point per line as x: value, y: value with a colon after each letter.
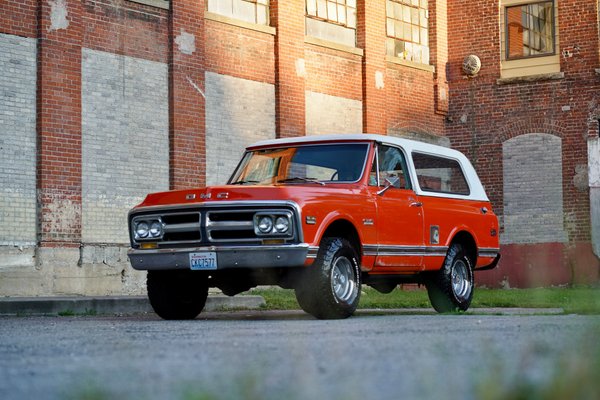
x: 524, y: 126
x: 418, y: 132
x: 410, y: 126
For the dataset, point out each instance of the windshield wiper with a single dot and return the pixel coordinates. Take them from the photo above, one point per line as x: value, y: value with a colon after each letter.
x: 299, y: 178
x: 243, y: 182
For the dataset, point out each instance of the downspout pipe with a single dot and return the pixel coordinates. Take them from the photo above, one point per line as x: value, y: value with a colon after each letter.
x: 594, y: 184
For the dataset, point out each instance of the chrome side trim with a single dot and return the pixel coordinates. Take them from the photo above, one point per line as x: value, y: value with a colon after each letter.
x: 393, y: 251
x: 312, y: 252
x: 488, y: 252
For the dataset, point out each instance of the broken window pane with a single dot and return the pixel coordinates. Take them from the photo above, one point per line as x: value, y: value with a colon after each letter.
x: 530, y: 30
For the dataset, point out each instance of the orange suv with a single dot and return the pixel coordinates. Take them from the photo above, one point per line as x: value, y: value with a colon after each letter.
x: 322, y: 215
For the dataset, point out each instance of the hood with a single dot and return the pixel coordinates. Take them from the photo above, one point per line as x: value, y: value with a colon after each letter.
x: 297, y: 193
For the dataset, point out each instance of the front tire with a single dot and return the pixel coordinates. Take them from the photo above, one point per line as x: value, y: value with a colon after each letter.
x: 330, y: 289
x: 451, y: 288
x: 177, y: 294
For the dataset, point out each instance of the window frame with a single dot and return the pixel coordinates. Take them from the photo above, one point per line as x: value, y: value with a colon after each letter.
x: 256, y: 3
x: 445, y: 158
x: 419, y: 8
x: 405, y: 171
x: 507, y: 56
x: 343, y: 3
x: 287, y: 158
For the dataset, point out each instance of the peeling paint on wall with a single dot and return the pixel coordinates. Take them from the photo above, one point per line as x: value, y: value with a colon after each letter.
x: 58, y: 15
x: 63, y: 215
x: 580, y: 179
x: 379, y: 81
x: 301, y: 68
x: 186, y: 42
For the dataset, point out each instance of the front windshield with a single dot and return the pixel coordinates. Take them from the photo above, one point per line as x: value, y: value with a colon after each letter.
x: 321, y: 164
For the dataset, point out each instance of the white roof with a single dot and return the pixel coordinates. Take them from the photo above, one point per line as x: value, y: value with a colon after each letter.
x: 477, y: 191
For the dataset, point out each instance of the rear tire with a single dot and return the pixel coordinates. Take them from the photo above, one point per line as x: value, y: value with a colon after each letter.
x: 451, y: 288
x: 177, y: 294
x: 330, y: 289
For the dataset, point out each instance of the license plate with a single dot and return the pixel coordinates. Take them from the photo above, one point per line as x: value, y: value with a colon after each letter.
x: 203, y: 261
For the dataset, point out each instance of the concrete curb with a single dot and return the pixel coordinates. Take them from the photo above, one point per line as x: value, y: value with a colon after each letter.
x: 111, y: 305
x: 125, y: 305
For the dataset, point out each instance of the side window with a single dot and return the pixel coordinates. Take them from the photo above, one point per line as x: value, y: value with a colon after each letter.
x: 438, y: 174
x: 392, y: 168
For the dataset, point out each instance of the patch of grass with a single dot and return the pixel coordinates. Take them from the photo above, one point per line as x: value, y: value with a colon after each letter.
x: 580, y: 300
x: 277, y: 299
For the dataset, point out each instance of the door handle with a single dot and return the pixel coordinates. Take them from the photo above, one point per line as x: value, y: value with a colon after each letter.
x: 416, y: 204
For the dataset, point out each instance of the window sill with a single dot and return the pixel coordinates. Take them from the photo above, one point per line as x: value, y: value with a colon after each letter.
x: 333, y: 45
x: 239, y: 23
x: 164, y: 4
x: 410, y: 64
x: 531, y: 78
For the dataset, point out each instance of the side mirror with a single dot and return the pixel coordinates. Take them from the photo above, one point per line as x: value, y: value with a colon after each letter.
x: 388, y: 184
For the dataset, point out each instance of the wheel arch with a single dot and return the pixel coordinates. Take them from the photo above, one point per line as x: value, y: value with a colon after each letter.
x: 467, y: 240
x: 345, y: 229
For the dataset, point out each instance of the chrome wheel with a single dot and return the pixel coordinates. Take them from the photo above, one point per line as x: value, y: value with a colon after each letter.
x: 451, y: 288
x: 330, y: 289
x: 461, y: 283
x: 342, y: 280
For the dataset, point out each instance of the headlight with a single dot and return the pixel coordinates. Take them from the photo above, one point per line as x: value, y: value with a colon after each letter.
x: 265, y: 224
x: 142, y: 230
x: 147, y: 228
x: 156, y: 229
x: 282, y: 224
x: 273, y: 224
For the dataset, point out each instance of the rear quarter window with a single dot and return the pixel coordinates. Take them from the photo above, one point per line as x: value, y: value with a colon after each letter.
x: 439, y: 174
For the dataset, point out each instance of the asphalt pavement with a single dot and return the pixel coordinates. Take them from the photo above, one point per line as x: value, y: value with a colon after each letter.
x: 273, y: 355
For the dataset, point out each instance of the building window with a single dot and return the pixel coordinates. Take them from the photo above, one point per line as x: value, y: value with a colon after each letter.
x: 253, y: 11
x: 342, y: 12
x: 332, y: 20
x: 407, y: 27
x: 530, y: 30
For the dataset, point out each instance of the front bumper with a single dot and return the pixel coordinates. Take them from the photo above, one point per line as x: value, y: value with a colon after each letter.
x: 227, y: 257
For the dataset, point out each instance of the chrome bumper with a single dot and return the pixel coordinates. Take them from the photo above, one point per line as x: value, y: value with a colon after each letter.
x: 227, y: 257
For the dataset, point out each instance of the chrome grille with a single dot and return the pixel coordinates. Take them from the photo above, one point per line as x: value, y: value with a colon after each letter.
x: 209, y: 225
x: 182, y: 227
x: 230, y: 226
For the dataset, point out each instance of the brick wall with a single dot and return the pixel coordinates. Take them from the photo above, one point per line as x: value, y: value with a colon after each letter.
x: 241, y: 52
x: 533, y: 196
x: 17, y: 140
x: 183, y: 79
x: 186, y: 102
x: 288, y: 18
x: 125, y: 135
x: 327, y: 114
x: 486, y: 113
x: 238, y: 112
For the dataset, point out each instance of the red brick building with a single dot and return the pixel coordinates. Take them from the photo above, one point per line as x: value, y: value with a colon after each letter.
x: 102, y: 101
